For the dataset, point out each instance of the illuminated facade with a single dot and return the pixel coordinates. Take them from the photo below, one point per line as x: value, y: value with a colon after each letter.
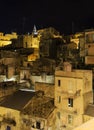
x: 32, y: 41
x: 87, y: 46
x: 6, y: 39
x: 75, y: 39
x: 73, y: 93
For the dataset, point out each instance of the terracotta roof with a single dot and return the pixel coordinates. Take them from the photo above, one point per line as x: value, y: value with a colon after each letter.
x: 90, y: 110
x: 17, y: 100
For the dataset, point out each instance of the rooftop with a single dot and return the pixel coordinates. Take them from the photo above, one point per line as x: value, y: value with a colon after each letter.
x: 40, y: 106
x: 17, y: 100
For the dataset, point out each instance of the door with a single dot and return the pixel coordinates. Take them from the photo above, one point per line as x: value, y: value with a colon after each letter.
x: 8, y: 128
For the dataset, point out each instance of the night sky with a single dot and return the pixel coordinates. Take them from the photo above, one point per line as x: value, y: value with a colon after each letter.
x: 67, y: 16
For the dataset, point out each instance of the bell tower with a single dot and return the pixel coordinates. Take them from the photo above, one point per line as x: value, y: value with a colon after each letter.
x: 35, y: 33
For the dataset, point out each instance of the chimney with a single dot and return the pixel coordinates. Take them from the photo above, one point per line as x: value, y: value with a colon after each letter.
x: 67, y: 67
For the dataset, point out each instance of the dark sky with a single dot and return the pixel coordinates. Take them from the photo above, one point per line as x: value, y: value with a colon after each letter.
x: 66, y: 16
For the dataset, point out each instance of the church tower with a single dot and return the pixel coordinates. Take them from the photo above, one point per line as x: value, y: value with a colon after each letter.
x: 35, y: 33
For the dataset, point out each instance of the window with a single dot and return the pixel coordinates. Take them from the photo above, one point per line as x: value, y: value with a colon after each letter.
x: 8, y: 128
x: 26, y: 44
x: 59, y: 99
x: 38, y: 125
x: 70, y: 119
x: 58, y: 114
x: 59, y: 82
x: 70, y: 102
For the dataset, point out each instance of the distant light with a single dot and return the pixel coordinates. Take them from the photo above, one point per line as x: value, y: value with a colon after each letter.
x: 11, y: 79
x: 28, y: 90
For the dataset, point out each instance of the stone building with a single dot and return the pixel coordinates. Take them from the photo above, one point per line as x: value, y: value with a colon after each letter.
x: 10, y: 109
x: 9, y: 65
x: 73, y: 93
x: 47, y: 88
x: 50, y: 41
x: 27, y: 110
x: 7, y: 38
x: 89, y: 125
x: 42, y: 78
x: 32, y: 41
x: 87, y: 47
x: 39, y: 114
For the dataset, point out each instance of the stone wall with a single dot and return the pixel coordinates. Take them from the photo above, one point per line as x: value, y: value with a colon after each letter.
x: 46, y: 87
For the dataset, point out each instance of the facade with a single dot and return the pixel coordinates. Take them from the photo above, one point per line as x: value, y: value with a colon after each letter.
x: 63, y: 101
x: 73, y: 93
x: 32, y: 41
x: 89, y: 125
x: 87, y: 46
x: 10, y: 109
x: 47, y: 88
x: 39, y: 113
x: 8, y: 119
x: 50, y: 39
x: 27, y: 110
x: 7, y: 38
x: 42, y: 78
x: 9, y: 65
x: 75, y: 38
x: 7, y: 88
x: 24, y: 73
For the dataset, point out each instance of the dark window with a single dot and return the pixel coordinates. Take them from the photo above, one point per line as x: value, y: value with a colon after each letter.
x: 26, y: 44
x: 38, y: 125
x: 28, y: 65
x: 59, y: 82
x: 8, y: 128
x: 70, y: 102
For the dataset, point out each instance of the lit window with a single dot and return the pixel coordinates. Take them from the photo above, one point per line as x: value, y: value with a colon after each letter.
x: 59, y: 82
x: 70, y: 102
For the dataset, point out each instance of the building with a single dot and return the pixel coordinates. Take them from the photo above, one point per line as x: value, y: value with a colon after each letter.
x: 32, y: 41
x: 47, y: 88
x: 9, y: 65
x: 75, y: 38
x: 87, y: 46
x: 89, y: 125
x: 73, y: 93
x: 39, y: 114
x: 27, y: 110
x: 50, y: 40
x: 7, y: 38
x: 10, y: 108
